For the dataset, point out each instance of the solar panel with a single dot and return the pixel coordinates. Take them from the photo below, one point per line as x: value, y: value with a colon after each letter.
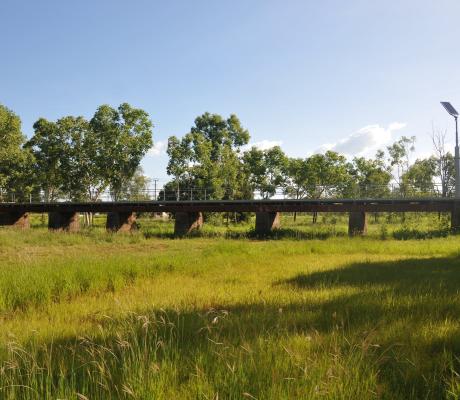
x: 449, y: 108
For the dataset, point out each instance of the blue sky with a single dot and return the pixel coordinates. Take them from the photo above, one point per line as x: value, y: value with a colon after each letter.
x: 348, y: 75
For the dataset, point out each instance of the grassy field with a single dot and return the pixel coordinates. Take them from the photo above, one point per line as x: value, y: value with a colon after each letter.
x: 306, y: 314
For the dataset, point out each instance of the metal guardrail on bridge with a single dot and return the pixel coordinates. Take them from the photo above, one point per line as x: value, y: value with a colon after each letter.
x: 393, y: 191
x: 271, y: 205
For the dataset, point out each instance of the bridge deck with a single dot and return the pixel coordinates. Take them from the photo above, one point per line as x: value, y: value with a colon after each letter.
x: 288, y: 205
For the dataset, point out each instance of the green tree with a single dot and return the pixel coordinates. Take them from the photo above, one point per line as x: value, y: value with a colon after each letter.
x: 266, y: 169
x: 208, y: 158
x: 445, y: 166
x: 298, y: 178
x: 79, y: 171
x: 15, y: 161
x: 418, y: 179
x: 79, y: 160
x: 120, y: 139
x: 445, y: 171
x: 328, y: 175
x: 370, y: 177
x: 64, y: 152
x: 399, y: 158
x: 49, y: 147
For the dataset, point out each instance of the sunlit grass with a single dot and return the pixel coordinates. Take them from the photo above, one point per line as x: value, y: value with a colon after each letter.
x: 144, y: 316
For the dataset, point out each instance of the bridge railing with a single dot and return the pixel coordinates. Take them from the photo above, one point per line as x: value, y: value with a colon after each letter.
x: 197, y: 193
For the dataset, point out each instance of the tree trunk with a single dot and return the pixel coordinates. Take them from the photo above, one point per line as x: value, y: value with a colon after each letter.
x: 88, y: 219
x: 315, y: 217
x: 295, y: 212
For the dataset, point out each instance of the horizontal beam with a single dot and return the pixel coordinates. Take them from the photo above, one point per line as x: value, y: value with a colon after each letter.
x: 346, y: 205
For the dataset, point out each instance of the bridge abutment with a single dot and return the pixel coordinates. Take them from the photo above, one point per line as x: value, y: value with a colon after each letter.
x: 267, y: 222
x: 64, y: 221
x: 187, y: 222
x: 121, y: 221
x: 357, y: 223
x: 15, y: 219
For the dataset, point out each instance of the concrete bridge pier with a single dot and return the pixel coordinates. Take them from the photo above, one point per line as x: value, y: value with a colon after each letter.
x: 68, y: 221
x: 187, y: 222
x: 267, y: 222
x: 121, y: 221
x: 455, y: 217
x: 357, y: 223
x: 15, y: 219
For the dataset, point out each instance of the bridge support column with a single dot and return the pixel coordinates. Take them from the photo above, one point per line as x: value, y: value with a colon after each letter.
x: 267, y: 222
x: 121, y: 221
x: 15, y: 219
x: 187, y: 222
x: 357, y: 223
x: 455, y: 217
x: 64, y: 221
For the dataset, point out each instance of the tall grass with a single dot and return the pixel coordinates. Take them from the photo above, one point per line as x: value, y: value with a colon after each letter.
x: 102, y: 316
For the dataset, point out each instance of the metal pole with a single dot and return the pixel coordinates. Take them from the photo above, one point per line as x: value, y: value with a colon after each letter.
x: 457, y: 162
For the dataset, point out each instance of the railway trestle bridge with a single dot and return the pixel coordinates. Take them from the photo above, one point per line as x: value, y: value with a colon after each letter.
x: 121, y: 215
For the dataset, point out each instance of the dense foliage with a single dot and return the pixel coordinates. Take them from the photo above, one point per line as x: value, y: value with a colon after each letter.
x: 213, y: 161
x: 73, y: 158
x: 15, y: 160
x: 78, y: 159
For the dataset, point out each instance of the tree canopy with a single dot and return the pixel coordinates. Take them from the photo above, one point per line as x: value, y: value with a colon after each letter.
x: 15, y: 160
x: 208, y: 157
x: 266, y: 169
x: 78, y: 159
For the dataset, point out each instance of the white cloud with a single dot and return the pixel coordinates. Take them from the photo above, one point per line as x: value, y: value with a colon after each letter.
x: 394, y: 126
x: 364, y: 141
x: 263, y: 144
x: 158, y: 149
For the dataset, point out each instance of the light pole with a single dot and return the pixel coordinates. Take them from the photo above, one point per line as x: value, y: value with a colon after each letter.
x: 452, y: 111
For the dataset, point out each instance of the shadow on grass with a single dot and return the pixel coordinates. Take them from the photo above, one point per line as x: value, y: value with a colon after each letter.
x: 384, y: 320
x: 437, y: 274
